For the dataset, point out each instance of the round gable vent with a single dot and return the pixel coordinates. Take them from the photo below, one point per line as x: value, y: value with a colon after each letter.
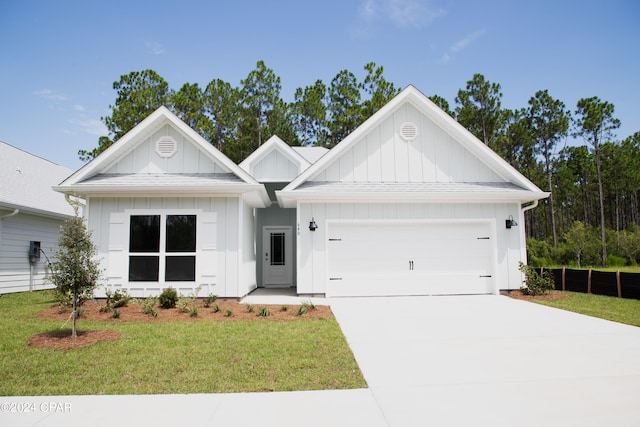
x: 408, y: 131
x: 166, y: 146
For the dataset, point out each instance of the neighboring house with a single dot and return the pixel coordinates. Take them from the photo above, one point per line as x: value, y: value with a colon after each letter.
x: 410, y: 203
x: 30, y: 211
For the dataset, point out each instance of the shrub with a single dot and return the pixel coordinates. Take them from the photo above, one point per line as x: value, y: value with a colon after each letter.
x: 210, y: 300
x: 115, y: 314
x: 119, y: 299
x: 228, y: 313
x: 264, y: 312
x: 308, y: 305
x: 148, y: 305
x: 216, y: 308
x: 536, y: 283
x: 168, y: 298
x: 193, y: 311
x: 249, y: 308
x: 183, y: 304
x: 284, y: 308
x: 302, y: 310
x: 104, y: 308
x: 616, y: 261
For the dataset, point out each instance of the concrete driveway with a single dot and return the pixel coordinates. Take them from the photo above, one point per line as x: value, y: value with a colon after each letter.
x: 492, y: 360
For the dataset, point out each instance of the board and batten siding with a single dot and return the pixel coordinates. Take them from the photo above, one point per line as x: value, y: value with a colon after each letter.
x: 187, y: 159
x: 383, y: 156
x: 312, y: 264
x: 15, y: 234
x: 275, y: 167
x: 228, y: 214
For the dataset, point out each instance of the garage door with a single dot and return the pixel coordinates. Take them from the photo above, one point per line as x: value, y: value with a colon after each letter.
x: 410, y: 258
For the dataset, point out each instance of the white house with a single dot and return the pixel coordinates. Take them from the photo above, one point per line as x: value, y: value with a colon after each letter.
x: 31, y: 214
x: 410, y: 203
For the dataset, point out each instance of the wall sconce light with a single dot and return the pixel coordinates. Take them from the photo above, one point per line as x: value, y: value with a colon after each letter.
x: 312, y: 225
x: 510, y: 222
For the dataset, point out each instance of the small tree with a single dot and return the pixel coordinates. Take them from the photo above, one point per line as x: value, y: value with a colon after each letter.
x: 75, y: 270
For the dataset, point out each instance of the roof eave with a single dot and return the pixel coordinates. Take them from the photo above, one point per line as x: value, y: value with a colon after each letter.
x: 35, y: 211
x: 289, y: 199
x: 255, y: 194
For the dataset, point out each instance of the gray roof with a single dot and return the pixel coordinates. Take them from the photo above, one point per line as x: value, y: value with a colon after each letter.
x: 161, y: 180
x: 26, y: 181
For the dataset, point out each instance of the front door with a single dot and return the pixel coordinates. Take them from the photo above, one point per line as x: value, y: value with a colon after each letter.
x: 276, y: 256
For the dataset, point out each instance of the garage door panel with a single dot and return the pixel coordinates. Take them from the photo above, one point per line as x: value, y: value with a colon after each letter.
x: 395, y: 258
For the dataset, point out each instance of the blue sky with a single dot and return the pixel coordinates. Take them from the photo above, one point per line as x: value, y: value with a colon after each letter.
x: 59, y: 59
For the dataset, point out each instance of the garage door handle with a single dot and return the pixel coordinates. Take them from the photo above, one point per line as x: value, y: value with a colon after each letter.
x: 485, y: 276
x: 411, y: 265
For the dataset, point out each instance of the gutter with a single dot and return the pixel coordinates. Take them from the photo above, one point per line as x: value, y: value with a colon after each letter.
x: 528, y: 207
x: 15, y: 212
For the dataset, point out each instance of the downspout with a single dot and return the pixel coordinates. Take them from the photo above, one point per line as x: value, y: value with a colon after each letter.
x: 523, y: 209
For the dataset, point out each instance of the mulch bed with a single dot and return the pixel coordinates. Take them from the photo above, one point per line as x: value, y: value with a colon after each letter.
x: 62, y: 340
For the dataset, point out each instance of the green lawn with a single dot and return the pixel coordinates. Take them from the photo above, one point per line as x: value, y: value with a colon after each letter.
x: 611, y: 308
x: 205, y: 356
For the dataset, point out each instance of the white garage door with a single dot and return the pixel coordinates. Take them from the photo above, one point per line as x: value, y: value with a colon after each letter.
x: 410, y: 258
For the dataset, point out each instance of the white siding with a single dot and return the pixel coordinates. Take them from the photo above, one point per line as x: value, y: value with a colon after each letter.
x: 15, y: 234
x: 188, y: 158
x: 383, y: 156
x: 228, y: 219
x: 312, y: 245
x: 248, y: 280
x: 275, y: 167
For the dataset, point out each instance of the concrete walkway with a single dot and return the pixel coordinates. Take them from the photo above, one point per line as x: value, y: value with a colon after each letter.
x: 464, y: 360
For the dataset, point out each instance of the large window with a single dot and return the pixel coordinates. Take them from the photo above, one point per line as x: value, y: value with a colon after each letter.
x: 162, y: 246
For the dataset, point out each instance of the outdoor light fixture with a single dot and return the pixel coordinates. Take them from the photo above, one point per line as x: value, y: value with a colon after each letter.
x: 510, y: 222
x: 312, y: 225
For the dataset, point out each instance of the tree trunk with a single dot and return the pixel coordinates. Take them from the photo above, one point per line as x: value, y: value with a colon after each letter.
x: 601, y: 195
x: 74, y: 316
x: 550, y: 188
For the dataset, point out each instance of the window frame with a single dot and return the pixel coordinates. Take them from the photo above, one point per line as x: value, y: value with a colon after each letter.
x: 162, y: 253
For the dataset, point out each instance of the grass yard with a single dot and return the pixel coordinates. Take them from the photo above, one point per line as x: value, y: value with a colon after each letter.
x: 611, y: 308
x: 203, y: 356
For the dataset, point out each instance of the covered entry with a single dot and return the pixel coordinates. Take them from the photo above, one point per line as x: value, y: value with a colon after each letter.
x: 389, y: 257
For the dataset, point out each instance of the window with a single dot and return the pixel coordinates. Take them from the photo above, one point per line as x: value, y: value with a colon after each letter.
x: 162, y: 246
x: 277, y: 248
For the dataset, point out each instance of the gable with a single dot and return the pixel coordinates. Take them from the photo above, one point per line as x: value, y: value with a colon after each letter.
x: 434, y: 158
x: 383, y: 155
x: 274, y: 161
x: 275, y: 167
x: 163, y: 156
x: 144, y: 156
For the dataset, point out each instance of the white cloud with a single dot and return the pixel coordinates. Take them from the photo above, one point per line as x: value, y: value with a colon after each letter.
x: 50, y: 95
x: 470, y: 38
x: 413, y: 13
x: 461, y: 45
x: 368, y: 10
x: 401, y: 13
x: 78, y: 107
x: 90, y: 126
x: 155, y: 48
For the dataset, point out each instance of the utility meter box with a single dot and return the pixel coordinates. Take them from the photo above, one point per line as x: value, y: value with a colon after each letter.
x: 34, y: 252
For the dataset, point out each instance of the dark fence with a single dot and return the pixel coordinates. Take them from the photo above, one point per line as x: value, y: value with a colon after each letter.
x: 611, y: 283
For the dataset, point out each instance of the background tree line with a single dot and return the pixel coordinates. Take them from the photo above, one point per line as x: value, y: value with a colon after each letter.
x: 592, y: 216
